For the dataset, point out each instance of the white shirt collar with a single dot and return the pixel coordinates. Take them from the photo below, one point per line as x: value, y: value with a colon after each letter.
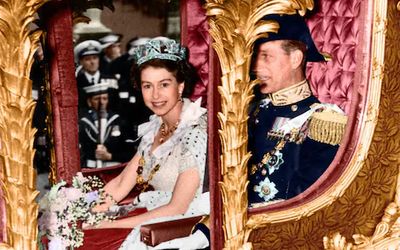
x: 96, y: 77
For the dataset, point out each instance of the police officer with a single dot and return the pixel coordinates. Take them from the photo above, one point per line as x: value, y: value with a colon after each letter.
x: 292, y: 136
x: 87, y: 53
x: 102, y: 140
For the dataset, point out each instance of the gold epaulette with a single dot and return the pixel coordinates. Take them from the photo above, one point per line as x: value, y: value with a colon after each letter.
x: 327, y: 126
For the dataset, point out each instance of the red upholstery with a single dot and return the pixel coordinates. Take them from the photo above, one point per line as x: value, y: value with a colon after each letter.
x: 106, y: 174
x: 194, y: 35
x: 335, y: 29
x: 97, y: 239
x: 110, y: 238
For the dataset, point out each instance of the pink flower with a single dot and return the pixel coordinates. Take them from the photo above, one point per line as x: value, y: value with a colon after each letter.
x: 72, y: 194
x: 78, y: 180
x: 56, y: 243
x: 48, y: 221
x: 58, y: 205
x: 92, y: 196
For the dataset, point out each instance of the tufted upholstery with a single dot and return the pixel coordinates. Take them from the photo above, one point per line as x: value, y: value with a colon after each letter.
x: 335, y: 29
x: 194, y: 35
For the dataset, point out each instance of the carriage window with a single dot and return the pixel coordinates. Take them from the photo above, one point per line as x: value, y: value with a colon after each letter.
x: 293, y: 137
x: 110, y: 105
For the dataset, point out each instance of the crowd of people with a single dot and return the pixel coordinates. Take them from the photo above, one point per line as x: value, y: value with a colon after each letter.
x: 110, y: 107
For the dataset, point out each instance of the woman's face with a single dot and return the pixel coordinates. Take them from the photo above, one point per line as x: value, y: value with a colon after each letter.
x: 160, y: 90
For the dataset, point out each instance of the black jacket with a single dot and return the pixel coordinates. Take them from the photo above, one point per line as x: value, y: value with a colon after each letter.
x: 116, y: 140
x: 299, y: 165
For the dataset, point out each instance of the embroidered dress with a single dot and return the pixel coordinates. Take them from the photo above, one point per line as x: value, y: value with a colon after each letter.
x: 185, y: 149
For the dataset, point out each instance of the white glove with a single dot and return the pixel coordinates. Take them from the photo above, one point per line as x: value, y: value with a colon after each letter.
x: 192, y: 242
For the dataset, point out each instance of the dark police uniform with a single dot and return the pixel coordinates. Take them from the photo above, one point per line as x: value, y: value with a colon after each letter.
x: 115, y: 140
x: 295, y: 162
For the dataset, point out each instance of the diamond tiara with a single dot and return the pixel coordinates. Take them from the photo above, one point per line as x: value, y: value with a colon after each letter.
x: 158, y: 48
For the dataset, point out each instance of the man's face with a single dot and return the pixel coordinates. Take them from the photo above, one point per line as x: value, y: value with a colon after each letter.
x: 90, y: 63
x: 113, y: 51
x: 273, y: 67
x: 98, y: 101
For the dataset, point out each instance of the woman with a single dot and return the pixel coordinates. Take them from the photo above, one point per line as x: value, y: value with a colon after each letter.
x: 172, y: 154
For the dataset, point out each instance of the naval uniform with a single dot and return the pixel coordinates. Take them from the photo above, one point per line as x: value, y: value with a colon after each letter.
x: 131, y: 105
x: 294, y: 161
x: 116, y: 141
x: 83, y: 81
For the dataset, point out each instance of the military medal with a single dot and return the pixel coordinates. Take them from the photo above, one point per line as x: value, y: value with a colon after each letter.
x: 275, y: 161
x: 266, y: 189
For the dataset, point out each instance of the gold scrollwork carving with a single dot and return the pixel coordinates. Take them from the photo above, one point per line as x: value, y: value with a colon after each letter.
x: 18, y: 177
x: 234, y: 26
x: 386, y: 234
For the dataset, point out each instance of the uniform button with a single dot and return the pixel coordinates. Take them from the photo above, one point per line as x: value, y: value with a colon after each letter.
x: 294, y: 107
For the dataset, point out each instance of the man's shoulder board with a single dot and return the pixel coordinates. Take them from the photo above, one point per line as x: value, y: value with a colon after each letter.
x: 327, y: 126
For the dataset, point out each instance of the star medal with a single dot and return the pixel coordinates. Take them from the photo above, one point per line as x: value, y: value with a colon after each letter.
x: 275, y: 161
x: 266, y: 189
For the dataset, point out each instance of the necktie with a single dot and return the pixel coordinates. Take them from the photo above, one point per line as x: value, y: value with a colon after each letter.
x: 93, y: 81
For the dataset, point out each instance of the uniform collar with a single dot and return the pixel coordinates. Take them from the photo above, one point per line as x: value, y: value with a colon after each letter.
x: 292, y: 94
x: 96, y: 77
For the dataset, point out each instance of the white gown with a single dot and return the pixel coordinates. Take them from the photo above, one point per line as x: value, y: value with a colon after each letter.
x: 185, y: 149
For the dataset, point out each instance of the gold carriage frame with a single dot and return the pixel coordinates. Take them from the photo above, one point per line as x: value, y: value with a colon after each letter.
x: 368, y: 184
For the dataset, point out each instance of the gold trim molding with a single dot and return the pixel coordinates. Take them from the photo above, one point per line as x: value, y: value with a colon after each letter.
x: 234, y: 26
x: 387, y: 232
x: 18, y: 177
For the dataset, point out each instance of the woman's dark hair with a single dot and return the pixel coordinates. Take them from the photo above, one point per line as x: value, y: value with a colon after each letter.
x: 182, y: 70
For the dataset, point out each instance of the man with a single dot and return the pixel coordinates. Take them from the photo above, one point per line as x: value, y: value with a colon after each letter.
x: 102, y: 141
x: 111, y: 50
x: 131, y: 105
x: 89, y: 74
x: 289, y: 134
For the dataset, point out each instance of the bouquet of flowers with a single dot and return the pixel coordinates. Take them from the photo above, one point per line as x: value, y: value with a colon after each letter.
x: 63, y: 209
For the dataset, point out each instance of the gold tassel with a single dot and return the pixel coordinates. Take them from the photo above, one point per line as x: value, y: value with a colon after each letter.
x: 327, y: 127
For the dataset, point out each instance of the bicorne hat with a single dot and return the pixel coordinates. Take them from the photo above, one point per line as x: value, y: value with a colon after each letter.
x: 293, y: 27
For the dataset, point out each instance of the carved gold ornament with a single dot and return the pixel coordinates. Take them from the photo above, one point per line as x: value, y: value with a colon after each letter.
x: 234, y: 26
x: 384, y: 150
x: 18, y: 177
